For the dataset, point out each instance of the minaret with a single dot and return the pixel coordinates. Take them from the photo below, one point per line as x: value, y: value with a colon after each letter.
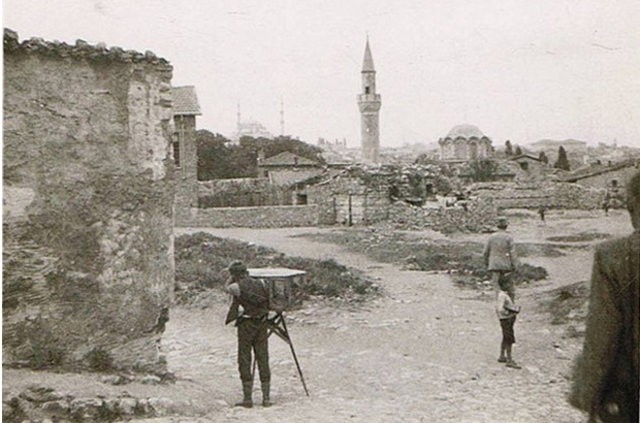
x: 369, y: 103
x: 281, y: 117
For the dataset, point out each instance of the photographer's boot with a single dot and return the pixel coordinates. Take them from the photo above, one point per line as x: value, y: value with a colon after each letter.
x: 266, y: 401
x: 247, y: 402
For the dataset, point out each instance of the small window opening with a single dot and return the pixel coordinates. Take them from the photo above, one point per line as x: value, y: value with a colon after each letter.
x: 176, y: 152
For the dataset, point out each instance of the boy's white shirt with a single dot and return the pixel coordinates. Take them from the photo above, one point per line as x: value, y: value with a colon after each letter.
x: 502, y: 301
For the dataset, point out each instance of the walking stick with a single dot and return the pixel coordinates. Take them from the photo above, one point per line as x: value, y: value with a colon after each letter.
x: 283, y: 333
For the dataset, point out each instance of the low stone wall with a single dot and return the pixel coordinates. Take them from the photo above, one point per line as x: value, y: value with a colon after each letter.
x: 241, y: 192
x: 559, y: 195
x: 253, y: 217
x: 479, y: 215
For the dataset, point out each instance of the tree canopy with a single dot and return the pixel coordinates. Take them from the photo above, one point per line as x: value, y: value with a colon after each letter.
x: 218, y: 158
x: 508, y: 148
x: 483, y: 170
x: 563, y: 161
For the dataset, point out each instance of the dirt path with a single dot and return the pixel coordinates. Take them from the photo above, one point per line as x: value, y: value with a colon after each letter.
x: 426, y: 351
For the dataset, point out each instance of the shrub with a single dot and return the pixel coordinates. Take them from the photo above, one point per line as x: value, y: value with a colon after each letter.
x: 99, y: 360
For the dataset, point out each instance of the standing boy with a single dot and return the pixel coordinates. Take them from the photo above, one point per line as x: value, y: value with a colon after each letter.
x: 507, y: 311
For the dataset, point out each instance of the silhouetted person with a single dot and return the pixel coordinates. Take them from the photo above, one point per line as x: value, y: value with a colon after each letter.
x: 541, y: 212
x: 606, y: 373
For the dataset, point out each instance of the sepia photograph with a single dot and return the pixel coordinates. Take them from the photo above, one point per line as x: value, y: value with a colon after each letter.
x: 336, y: 211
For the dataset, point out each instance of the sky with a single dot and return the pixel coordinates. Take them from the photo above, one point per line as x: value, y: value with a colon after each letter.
x: 518, y: 69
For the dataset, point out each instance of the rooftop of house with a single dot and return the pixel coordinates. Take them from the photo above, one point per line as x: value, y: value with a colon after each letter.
x: 524, y: 156
x: 598, y: 169
x: 185, y: 101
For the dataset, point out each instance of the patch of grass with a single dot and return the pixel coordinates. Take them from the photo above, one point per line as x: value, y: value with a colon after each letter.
x: 581, y: 237
x: 462, y: 259
x: 539, y: 250
x: 45, y: 355
x: 201, y: 260
x: 99, y: 360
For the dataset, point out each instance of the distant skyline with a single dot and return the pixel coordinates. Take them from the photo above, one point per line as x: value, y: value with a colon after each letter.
x: 520, y: 70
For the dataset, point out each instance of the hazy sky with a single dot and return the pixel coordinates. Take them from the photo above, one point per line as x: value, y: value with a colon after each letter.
x: 518, y: 69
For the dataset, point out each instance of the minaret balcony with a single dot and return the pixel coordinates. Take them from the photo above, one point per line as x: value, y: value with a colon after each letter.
x: 369, y: 102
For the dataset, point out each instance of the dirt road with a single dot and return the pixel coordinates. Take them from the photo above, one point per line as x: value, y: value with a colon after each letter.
x: 426, y: 351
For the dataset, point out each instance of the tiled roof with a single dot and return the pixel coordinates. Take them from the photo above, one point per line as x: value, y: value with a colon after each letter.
x: 597, y: 170
x: 287, y: 158
x: 185, y: 101
x: 525, y: 156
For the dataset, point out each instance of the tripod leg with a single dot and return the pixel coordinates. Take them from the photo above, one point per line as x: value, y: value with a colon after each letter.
x: 295, y: 358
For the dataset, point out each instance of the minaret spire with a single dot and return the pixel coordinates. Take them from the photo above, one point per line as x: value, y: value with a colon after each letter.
x: 367, y: 63
x: 369, y: 103
x: 281, y: 117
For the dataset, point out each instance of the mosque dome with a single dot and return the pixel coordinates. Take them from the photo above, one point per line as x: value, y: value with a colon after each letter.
x: 465, y: 131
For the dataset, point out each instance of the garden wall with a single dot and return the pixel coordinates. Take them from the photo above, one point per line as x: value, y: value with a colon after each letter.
x: 241, y: 192
x: 88, y: 193
x: 558, y: 195
x: 254, y: 217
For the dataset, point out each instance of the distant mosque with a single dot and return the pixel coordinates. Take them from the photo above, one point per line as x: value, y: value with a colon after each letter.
x: 463, y: 143
x: 249, y: 128
x: 369, y: 103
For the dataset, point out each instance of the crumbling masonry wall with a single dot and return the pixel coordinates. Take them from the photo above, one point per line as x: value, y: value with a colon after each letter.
x: 557, y: 195
x: 253, y: 217
x: 88, y: 248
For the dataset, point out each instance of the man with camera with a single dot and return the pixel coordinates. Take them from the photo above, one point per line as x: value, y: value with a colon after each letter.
x: 253, y: 329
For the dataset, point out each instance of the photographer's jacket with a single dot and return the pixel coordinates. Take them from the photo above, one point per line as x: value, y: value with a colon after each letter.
x: 252, y: 294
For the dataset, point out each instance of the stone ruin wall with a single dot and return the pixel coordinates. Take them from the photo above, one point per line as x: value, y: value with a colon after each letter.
x: 88, y: 233
x: 241, y: 192
x: 480, y: 215
x: 554, y: 195
x: 253, y: 217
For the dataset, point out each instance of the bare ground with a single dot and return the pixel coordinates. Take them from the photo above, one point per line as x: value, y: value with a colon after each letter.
x: 425, y: 351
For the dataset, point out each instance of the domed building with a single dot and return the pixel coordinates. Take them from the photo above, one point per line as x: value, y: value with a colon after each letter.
x: 463, y: 143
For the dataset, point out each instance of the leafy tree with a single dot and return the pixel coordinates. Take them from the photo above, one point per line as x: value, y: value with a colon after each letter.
x: 219, y: 159
x: 543, y: 157
x: 563, y: 161
x: 518, y: 151
x: 508, y: 148
x: 483, y: 170
x: 442, y: 184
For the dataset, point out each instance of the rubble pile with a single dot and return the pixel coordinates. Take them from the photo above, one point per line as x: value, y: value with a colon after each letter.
x: 40, y: 403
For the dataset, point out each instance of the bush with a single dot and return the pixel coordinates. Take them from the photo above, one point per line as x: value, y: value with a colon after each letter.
x: 99, y: 360
x: 45, y: 355
x: 201, y: 260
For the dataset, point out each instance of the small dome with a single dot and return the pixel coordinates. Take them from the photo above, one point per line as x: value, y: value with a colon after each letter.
x: 465, y: 131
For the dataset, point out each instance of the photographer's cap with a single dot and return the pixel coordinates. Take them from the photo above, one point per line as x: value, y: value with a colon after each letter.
x: 236, y: 267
